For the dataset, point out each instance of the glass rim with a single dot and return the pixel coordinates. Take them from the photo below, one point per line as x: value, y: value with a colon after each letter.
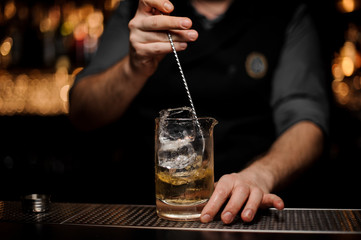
x: 187, y: 119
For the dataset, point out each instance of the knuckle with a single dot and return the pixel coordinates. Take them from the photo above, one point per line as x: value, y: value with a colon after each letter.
x: 132, y: 39
x: 220, y: 190
x: 153, y: 21
x: 139, y: 50
x: 257, y: 190
x: 226, y: 178
x: 157, y: 49
x: 242, y: 188
x: 131, y: 24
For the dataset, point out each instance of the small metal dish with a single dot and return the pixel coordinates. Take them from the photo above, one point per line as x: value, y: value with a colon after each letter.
x: 36, y: 203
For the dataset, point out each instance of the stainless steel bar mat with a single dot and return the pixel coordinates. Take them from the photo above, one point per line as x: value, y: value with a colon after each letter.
x: 136, y: 216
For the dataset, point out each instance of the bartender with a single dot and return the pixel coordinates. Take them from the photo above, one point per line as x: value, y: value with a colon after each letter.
x: 255, y: 66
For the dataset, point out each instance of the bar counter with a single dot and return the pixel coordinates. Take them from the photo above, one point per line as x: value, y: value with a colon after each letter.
x: 112, y: 221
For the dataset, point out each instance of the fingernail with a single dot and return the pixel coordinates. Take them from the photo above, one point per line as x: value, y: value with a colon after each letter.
x: 183, y: 45
x: 227, y: 217
x: 206, y: 218
x: 168, y: 6
x: 248, y: 214
x: 279, y: 205
x: 192, y: 35
x: 186, y: 23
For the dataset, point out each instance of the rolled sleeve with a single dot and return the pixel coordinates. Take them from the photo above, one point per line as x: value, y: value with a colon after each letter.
x: 300, y: 109
x: 298, y: 87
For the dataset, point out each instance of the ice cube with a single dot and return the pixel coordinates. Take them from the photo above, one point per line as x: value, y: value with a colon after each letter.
x: 181, y: 112
x: 171, y: 128
x: 176, y: 154
x: 176, y: 138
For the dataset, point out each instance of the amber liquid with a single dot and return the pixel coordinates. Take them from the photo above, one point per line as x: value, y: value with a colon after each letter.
x: 181, y: 194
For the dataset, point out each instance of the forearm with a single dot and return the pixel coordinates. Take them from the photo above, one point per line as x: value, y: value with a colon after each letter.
x: 102, y: 98
x: 291, y: 153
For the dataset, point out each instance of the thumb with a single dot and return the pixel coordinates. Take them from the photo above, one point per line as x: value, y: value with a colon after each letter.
x: 148, y: 6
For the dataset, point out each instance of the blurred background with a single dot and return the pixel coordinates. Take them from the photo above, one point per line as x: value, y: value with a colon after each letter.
x: 45, y: 43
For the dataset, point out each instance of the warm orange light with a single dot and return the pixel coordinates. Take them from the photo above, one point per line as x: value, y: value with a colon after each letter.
x: 76, y: 71
x: 342, y: 89
x: 95, y: 24
x: 347, y: 66
x: 348, y: 5
x: 85, y: 10
x: 64, y: 93
x: 45, y: 25
x: 110, y: 5
x: 337, y: 71
x: 5, y: 47
x: 80, y: 31
x: 61, y: 75
x: 34, y: 93
x: 95, y: 19
x: 9, y: 10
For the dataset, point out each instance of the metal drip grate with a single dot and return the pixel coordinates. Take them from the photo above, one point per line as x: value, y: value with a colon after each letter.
x: 134, y: 216
x: 59, y: 213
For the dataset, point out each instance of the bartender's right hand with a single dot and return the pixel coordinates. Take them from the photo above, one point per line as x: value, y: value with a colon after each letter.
x: 149, y: 42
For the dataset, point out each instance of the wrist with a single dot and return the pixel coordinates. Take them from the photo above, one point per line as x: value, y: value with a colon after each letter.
x: 141, y: 66
x: 131, y: 73
x: 263, y: 175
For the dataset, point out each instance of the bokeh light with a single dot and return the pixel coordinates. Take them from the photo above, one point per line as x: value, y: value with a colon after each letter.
x: 35, y: 92
x: 68, y: 34
x: 346, y: 70
x: 6, y: 45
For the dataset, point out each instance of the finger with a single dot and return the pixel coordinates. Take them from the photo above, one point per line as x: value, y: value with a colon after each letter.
x: 177, y: 36
x: 235, y: 203
x: 164, y: 6
x: 254, y: 201
x: 272, y: 200
x: 158, y: 48
x: 183, y: 35
x: 163, y: 22
x: 219, y: 196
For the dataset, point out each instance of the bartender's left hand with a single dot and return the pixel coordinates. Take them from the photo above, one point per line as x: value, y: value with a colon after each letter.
x: 248, y: 189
